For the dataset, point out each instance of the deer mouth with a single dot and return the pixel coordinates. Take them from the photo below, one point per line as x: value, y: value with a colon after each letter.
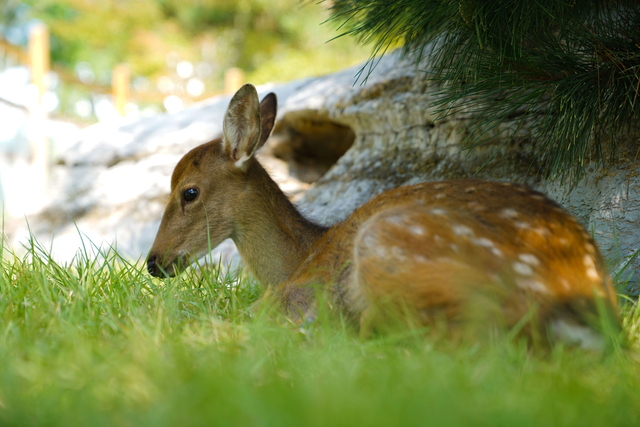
x: 170, y: 269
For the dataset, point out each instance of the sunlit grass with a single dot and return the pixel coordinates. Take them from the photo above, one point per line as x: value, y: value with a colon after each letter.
x: 100, y: 342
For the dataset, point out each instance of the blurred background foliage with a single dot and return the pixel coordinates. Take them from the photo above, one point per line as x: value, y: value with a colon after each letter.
x: 168, y: 42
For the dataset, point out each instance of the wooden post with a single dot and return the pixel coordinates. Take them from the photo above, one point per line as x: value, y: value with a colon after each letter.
x: 233, y: 79
x: 120, y: 85
x: 39, y: 66
x: 39, y: 57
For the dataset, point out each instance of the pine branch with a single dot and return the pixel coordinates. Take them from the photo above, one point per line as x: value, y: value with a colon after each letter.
x: 570, y: 68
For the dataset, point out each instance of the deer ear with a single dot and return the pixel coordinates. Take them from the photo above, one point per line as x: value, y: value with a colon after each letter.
x: 241, y: 127
x: 268, y: 112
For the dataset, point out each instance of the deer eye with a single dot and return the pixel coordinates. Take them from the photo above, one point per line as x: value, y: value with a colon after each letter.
x: 190, y: 194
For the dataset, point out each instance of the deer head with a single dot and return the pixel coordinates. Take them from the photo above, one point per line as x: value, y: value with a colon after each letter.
x: 207, y: 184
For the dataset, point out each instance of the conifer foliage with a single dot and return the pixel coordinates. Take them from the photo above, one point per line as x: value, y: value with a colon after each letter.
x: 569, y: 67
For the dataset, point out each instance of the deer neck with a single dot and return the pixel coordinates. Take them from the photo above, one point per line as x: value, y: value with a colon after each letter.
x: 272, y: 236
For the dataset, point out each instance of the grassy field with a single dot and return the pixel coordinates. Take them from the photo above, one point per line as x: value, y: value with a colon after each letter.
x: 100, y: 342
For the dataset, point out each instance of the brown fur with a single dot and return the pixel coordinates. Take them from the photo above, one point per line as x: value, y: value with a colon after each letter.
x: 460, y: 250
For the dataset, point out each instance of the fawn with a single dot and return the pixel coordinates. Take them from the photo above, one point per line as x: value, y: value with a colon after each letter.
x: 461, y: 250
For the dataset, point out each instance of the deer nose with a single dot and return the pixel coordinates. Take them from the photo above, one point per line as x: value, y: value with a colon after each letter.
x: 151, y: 266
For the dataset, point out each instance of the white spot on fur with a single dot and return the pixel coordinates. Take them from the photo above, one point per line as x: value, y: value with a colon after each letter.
x: 475, y: 206
x: 470, y: 189
x: 508, y: 213
x: 529, y: 259
x: 416, y: 229
x: 484, y: 242
x: 537, y: 197
x: 593, y: 274
x: 564, y: 283
x: 370, y: 246
x: 462, y: 230
x: 523, y: 225
x: 439, y: 196
x: 420, y: 258
x: 369, y: 241
x: 455, y: 248
x: 532, y: 285
x: 395, y: 219
x: 438, y: 211
x: 563, y: 241
x: 522, y: 268
x: 542, y: 231
x: 380, y: 251
x: 588, y: 261
x: 397, y: 252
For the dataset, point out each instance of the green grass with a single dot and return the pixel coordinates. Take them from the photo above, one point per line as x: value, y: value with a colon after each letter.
x: 100, y: 342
